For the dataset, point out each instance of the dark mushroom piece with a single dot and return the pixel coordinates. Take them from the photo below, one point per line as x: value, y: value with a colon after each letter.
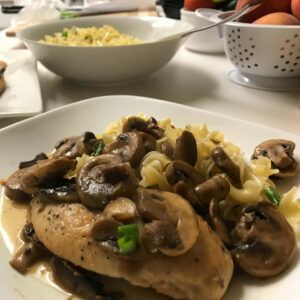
x: 129, y: 146
x: 103, y: 179
x: 181, y: 171
x: 32, y: 251
x: 76, y: 146
x: 75, y: 281
x: 225, y: 164
x: 167, y: 149
x: 217, y: 222
x: 264, y: 242
x: 149, y: 141
x: 105, y: 229
x: 138, y: 124
x: 64, y: 191
x: 26, y: 164
x: 280, y: 152
x: 13, y: 189
x: 44, y: 171
x: 186, y: 148
x: 171, y: 223
x: 216, y: 188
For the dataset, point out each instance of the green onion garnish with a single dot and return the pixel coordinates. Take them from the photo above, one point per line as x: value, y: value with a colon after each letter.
x: 127, y: 244
x: 129, y: 238
x: 273, y: 195
x: 65, y: 34
x: 98, y: 148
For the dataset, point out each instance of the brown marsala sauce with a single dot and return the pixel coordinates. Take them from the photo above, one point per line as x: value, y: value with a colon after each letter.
x: 12, y: 219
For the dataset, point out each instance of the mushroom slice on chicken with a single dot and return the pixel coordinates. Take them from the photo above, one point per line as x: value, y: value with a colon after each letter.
x: 76, y: 146
x: 280, y: 152
x: 172, y: 221
x: 129, y: 146
x: 225, y: 164
x: 103, y: 179
x: 202, y: 273
x: 264, y: 242
x: 186, y: 148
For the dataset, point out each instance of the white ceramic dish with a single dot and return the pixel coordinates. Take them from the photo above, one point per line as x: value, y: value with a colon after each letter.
x: 41, y: 133
x: 107, y: 65
x: 207, y: 41
x: 22, y: 96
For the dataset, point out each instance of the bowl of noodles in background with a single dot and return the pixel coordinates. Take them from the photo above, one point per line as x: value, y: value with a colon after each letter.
x: 106, y: 49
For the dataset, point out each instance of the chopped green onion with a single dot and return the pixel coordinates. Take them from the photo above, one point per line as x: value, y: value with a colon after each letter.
x: 98, y: 148
x: 129, y: 238
x: 273, y: 195
x: 127, y: 244
x: 64, y: 34
x: 130, y: 230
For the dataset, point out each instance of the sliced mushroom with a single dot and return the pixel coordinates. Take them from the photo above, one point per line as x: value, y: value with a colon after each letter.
x: 216, y: 188
x: 181, y: 171
x: 29, y: 253
x: 76, y: 146
x: 44, y: 171
x: 138, y: 124
x: 167, y: 149
x: 13, y: 189
x: 121, y: 209
x: 181, y: 188
x: 129, y: 146
x: 217, y: 222
x: 26, y: 164
x: 149, y: 141
x: 66, y: 191
x: 225, y: 164
x: 264, y: 242
x: 105, y: 229
x: 280, y: 152
x: 73, y: 279
x: 173, y: 218
x: 186, y: 148
x: 100, y: 181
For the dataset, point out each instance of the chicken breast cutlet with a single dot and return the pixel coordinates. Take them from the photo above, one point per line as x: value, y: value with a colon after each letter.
x: 202, y: 273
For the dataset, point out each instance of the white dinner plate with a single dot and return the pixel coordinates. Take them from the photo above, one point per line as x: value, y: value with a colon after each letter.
x: 22, y: 96
x: 23, y: 140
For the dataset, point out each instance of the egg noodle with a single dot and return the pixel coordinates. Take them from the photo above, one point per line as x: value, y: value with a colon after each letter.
x: 91, y: 36
x: 255, y: 177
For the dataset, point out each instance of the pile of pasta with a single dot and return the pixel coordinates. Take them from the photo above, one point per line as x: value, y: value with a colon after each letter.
x: 255, y: 176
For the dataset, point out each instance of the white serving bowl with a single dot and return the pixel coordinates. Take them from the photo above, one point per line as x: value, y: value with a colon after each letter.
x: 207, y: 41
x: 264, y: 56
x: 107, y: 65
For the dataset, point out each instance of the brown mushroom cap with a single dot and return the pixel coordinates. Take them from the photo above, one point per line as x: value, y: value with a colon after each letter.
x: 263, y: 239
x: 13, y: 188
x: 181, y: 171
x: 138, y: 124
x: 121, y: 209
x: 280, y: 152
x: 100, y: 181
x: 167, y: 149
x: 129, y: 146
x: 172, y: 223
x: 26, y: 164
x: 44, y: 171
x: 216, y: 188
x: 76, y: 146
x: 149, y: 141
x: 225, y: 164
x: 186, y: 148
